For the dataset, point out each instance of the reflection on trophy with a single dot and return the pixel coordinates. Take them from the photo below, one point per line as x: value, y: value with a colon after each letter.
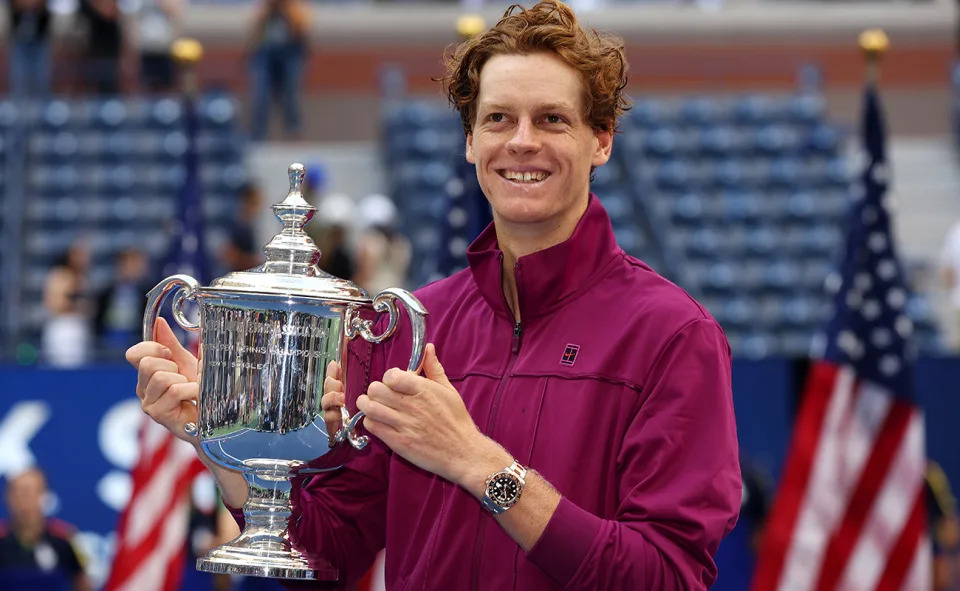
x: 266, y: 338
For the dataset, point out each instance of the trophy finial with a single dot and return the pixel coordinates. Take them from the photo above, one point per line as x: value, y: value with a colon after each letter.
x: 874, y: 43
x: 296, y: 172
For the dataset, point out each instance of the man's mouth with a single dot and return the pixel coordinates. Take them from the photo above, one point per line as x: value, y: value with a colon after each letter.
x: 523, y: 177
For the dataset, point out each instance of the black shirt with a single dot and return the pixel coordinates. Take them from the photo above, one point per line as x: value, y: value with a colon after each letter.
x: 51, y: 564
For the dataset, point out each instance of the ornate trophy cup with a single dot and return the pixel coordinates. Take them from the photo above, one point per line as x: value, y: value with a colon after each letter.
x: 266, y: 337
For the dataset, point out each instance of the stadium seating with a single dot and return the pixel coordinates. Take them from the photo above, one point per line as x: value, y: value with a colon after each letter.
x: 109, y: 170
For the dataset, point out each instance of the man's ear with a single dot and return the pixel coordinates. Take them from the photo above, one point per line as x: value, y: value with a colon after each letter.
x: 604, y: 147
x: 469, y: 149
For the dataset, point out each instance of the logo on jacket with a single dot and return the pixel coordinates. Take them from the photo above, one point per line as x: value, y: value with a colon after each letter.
x: 570, y: 355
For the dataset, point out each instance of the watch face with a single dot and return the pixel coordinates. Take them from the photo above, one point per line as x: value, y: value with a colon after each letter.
x: 504, y: 489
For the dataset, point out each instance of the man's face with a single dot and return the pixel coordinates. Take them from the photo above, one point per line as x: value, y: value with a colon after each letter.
x: 531, y: 144
x: 25, y: 496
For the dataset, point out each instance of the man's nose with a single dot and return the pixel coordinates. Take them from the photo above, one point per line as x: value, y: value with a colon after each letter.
x: 526, y: 137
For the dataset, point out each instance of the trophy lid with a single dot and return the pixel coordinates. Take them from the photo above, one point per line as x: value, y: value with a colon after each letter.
x: 291, y: 268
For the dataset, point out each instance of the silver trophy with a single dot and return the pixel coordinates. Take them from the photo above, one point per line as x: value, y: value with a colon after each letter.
x: 266, y: 337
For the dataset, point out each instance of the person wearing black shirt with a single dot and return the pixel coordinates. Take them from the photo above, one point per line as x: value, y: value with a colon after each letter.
x: 29, y: 48
x: 36, y: 553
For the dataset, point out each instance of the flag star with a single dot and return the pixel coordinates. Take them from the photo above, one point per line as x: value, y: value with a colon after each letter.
x: 857, y: 192
x: 890, y: 365
x: 877, y: 242
x: 887, y: 269
x: 881, y: 337
x: 904, y: 326
x: 455, y: 187
x: 849, y: 343
x: 854, y: 299
x: 870, y: 310
x: 897, y: 298
x: 863, y: 282
x: 457, y: 246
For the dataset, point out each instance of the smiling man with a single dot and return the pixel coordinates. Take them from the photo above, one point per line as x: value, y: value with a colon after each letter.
x: 580, y: 433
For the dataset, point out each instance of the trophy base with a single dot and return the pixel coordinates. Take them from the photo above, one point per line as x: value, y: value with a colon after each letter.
x: 251, y: 562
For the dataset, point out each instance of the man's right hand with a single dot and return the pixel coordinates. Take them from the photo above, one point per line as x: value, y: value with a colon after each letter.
x: 166, y: 380
x: 333, y: 399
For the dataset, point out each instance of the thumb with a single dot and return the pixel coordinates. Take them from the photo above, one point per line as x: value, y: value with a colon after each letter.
x: 186, y: 362
x: 432, y: 369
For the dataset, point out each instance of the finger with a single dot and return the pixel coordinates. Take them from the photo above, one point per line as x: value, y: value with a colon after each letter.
x: 183, y: 358
x: 379, y: 412
x: 333, y: 400
x: 138, y: 352
x: 432, y: 369
x: 382, y: 431
x: 333, y: 370
x: 405, y: 382
x: 159, y: 383
x: 332, y: 385
x: 176, y: 408
x: 149, y: 366
x: 380, y: 392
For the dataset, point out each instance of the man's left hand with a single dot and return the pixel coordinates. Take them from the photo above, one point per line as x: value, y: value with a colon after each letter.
x: 424, y: 420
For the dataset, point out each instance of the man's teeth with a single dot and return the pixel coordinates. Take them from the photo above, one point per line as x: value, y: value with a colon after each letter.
x: 525, y: 177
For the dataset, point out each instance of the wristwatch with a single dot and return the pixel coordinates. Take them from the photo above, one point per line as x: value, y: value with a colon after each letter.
x: 504, y: 488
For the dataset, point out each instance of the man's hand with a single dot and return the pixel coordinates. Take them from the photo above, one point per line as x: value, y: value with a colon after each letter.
x: 166, y: 380
x: 333, y: 399
x: 424, y: 420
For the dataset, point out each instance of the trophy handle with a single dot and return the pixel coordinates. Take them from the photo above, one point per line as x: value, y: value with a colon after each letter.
x: 185, y: 287
x: 386, y: 301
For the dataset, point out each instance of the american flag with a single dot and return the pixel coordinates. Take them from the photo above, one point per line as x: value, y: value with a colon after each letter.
x: 153, y: 529
x: 850, y: 511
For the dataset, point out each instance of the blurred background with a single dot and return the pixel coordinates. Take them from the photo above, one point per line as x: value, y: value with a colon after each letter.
x: 125, y: 156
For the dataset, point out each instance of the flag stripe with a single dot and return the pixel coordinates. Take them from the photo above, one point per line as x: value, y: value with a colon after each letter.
x: 860, y: 502
x: 821, y: 505
x: 787, y: 505
x: 911, y: 551
x: 890, y: 511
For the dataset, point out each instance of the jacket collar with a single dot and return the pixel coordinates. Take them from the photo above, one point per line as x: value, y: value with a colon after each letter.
x: 547, y: 277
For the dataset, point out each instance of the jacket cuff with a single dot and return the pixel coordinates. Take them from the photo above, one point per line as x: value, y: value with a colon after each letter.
x: 565, y: 542
x: 237, y: 514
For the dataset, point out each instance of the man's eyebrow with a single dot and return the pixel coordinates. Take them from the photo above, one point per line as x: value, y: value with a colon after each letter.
x: 495, y: 106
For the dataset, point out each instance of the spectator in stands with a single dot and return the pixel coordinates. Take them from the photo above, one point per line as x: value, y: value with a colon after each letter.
x: 279, y: 48
x: 118, y: 318
x: 331, y: 230
x: 944, y: 527
x: 561, y: 352
x: 157, y: 22
x: 104, y: 45
x: 241, y: 251
x: 36, y: 552
x: 383, y: 253
x: 66, y: 337
x: 950, y: 273
x: 29, y: 48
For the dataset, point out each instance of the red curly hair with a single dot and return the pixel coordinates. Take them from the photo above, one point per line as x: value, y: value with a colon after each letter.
x: 549, y: 26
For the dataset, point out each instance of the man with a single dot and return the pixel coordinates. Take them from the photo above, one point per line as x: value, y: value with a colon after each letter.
x: 580, y: 433
x: 36, y: 552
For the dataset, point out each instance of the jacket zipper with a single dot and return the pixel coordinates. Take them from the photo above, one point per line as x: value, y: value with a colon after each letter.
x: 491, y: 423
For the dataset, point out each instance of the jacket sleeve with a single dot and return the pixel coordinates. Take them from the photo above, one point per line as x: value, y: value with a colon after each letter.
x: 679, y: 481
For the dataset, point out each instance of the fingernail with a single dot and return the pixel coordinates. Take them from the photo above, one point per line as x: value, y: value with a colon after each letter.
x: 167, y: 353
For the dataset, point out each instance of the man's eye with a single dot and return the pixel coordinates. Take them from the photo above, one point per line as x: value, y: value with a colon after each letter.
x: 554, y: 119
x: 495, y: 117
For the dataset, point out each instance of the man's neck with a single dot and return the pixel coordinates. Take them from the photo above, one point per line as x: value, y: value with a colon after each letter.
x: 28, y: 534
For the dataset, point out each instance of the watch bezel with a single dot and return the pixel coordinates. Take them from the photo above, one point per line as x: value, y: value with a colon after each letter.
x: 507, y: 475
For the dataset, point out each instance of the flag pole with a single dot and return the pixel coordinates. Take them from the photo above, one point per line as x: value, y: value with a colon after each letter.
x: 873, y: 43
x: 187, y: 53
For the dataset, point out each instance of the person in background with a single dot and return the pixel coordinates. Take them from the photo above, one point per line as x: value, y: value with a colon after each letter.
x: 66, y: 337
x: 104, y: 45
x: 29, y: 48
x: 157, y: 23
x: 383, y: 253
x: 36, y: 552
x: 330, y: 230
x: 241, y: 251
x: 118, y: 317
x: 944, y: 528
x: 279, y: 48
x: 950, y: 275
